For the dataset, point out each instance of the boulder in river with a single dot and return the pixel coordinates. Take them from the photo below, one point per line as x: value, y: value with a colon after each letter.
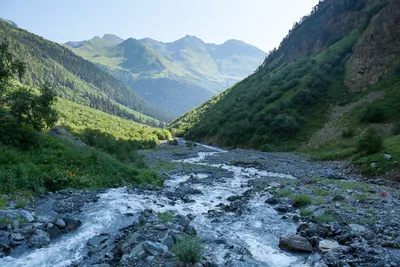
x: 39, y: 239
x: 295, y: 243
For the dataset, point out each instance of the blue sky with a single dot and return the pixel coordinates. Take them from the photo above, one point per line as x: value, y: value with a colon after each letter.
x: 262, y: 23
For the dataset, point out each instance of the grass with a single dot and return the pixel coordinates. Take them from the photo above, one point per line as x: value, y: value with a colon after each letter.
x: 3, y: 203
x: 284, y: 192
x: 305, y: 212
x: 166, y: 217
x: 189, y: 250
x: 59, y: 165
x: 321, y: 192
x: 325, y: 218
x: 318, y: 201
x: 301, y: 200
x: 21, y: 202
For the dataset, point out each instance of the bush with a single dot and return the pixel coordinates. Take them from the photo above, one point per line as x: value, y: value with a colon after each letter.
x: 173, y: 142
x: 347, y: 133
x: 370, y: 141
x: 166, y: 217
x: 284, y: 124
x: 373, y: 114
x: 301, y: 200
x: 395, y: 129
x: 284, y: 192
x: 190, y: 144
x: 189, y: 250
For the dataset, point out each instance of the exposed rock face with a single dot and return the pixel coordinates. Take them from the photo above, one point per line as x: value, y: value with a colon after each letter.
x: 376, y: 49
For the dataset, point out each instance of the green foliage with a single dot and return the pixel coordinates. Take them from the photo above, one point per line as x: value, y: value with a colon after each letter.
x: 284, y: 192
x: 395, y: 130
x: 305, y: 212
x: 79, y: 118
x: 3, y: 203
x: 190, y: 144
x: 189, y: 250
x: 301, y: 200
x: 173, y: 142
x: 348, y: 133
x: 370, y: 141
x: 166, y: 217
x: 325, y: 218
x: 21, y: 202
x: 74, y: 78
x: 373, y: 114
x: 58, y: 165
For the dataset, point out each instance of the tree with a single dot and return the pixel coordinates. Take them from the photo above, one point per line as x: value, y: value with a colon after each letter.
x: 20, y: 106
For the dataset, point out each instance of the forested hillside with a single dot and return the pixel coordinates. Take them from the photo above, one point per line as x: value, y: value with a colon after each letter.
x: 176, y: 76
x: 76, y: 79
x: 316, y: 89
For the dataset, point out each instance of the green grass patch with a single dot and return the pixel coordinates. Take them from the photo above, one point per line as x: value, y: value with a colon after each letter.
x: 325, y: 218
x: 3, y: 203
x: 284, y: 192
x: 318, y: 201
x: 321, y: 192
x: 301, y: 200
x: 305, y: 212
x: 189, y: 250
x: 59, y: 165
x: 166, y: 217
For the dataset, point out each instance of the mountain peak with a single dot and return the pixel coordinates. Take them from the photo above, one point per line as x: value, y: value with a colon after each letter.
x: 112, y: 38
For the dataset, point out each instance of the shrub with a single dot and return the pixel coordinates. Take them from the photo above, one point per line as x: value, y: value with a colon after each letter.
x: 373, y: 114
x: 370, y: 141
x: 166, y: 217
x: 305, y: 212
x: 395, y: 130
x: 347, y: 133
x: 284, y: 124
x: 21, y: 202
x: 301, y: 200
x: 189, y: 250
x: 285, y: 192
x: 325, y: 218
x: 3, y: 203
x: 173, y: 142
x: 190, y: 144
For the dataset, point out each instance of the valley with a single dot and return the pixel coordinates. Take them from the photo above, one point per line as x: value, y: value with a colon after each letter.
x: 239, y: 203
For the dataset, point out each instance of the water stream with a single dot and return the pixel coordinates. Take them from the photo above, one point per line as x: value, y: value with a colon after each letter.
x: 257, y: 230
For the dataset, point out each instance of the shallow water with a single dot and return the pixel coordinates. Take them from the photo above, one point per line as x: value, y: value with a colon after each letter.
x: 257, y: 230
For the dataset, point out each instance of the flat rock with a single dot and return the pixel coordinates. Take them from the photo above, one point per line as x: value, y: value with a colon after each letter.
x: 295, y: 243
x: 357, y: 228
x: 327, y: 245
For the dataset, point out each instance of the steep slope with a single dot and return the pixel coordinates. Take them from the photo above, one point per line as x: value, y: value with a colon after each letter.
x: 175, y: 76
x: 75, y: 78
x: 340, y: 49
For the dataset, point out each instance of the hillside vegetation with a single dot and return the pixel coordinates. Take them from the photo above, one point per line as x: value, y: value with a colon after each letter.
x: 176, y: 76
x: 316, y: 68
x: 33, y: 161
x: 76, y: 79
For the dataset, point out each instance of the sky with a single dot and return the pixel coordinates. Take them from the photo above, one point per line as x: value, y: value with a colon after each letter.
x: 262, y: 23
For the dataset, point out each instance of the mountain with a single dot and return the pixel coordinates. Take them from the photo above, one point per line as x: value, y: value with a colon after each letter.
x: 176, y: 76
x: 77, y: 79
x: 336, y: 74
x: 12, y: 23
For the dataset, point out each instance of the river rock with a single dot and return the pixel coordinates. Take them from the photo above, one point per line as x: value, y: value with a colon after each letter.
x: 154, y: 248
x: 295, y: 243
x: 272, y: 201
x: 283, y: 208
x: 72, y: 224
x: 53, y: 231
x: 357, y: 228
x: 60, y: 223
x: 97, y: 240
x: 39, y: 239
x: 16, y: 239
x: 338, y: 198
x: 327, y: 245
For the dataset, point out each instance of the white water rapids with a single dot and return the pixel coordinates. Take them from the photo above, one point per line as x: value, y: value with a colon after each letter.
x: 257, y: 229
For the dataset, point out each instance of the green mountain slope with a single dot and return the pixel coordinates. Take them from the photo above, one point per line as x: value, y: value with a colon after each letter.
x: 327, y: 63
x: 175, y: 76
x: 75, y: 78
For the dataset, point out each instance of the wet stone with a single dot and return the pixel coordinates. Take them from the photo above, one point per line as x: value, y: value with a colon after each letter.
x: 295, y: 243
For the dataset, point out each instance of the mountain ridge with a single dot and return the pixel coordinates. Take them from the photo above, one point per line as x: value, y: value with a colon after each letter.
x: 168, y: 70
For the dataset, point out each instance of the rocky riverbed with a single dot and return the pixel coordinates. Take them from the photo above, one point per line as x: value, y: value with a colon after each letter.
x: 247, y: 208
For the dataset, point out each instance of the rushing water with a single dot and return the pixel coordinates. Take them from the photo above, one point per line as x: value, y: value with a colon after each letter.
x: 257, y: 229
